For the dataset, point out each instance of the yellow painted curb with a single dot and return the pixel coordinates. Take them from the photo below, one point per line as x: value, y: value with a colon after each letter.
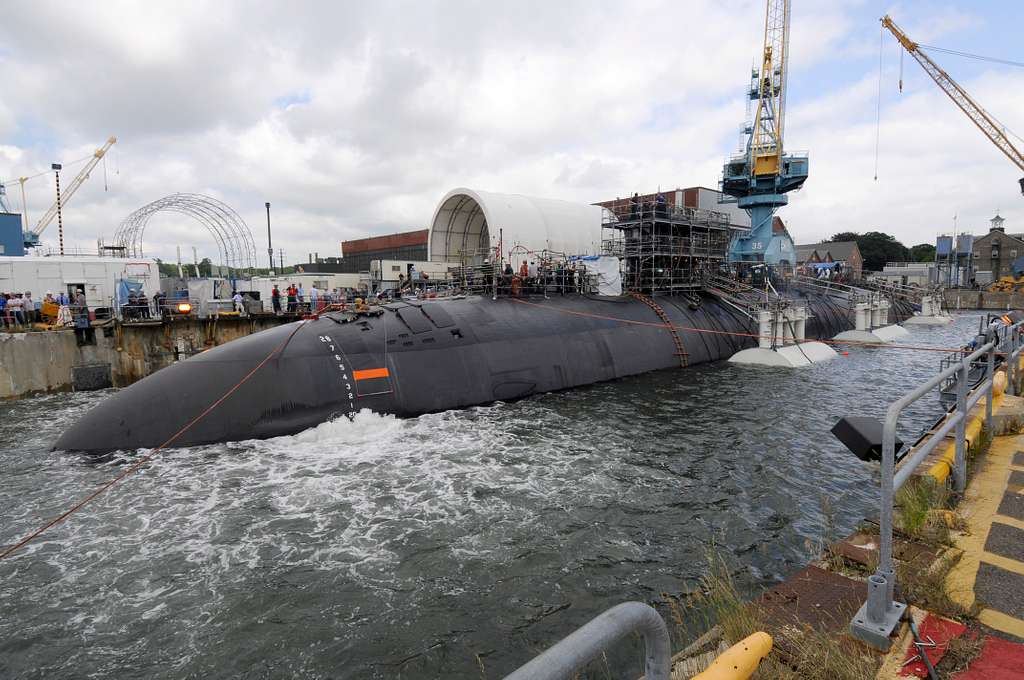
x: 1002, y: 622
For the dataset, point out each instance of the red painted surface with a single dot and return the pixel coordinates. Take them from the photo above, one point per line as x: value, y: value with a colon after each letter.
x: 999, y: 660
x: 939, y: 630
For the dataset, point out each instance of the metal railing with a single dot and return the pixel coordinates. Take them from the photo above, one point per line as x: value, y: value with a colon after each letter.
x: 878, y: 616
x: 578, y: 648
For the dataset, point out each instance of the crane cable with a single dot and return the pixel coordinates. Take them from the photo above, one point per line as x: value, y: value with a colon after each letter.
x: 17, y: 180
x: 878, y: 106
x: 149, y: 456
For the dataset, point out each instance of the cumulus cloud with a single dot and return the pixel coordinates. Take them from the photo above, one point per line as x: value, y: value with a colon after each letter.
x: 354, y: 118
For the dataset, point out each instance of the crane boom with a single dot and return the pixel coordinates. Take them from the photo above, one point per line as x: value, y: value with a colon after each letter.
x: 979, y: 116
x: 32, y: 237
x: 769, y: 118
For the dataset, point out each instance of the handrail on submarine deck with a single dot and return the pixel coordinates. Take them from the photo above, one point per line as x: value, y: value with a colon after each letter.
x: 879, y: 614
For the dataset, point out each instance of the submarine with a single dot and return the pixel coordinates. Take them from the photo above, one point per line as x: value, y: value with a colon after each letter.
x: 414, y: 357
x: 655, y: 306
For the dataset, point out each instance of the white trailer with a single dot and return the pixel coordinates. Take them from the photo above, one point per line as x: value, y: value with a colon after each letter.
x: 97, y: 276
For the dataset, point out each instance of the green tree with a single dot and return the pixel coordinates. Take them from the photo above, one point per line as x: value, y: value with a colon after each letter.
x: 877, y: 248
x: 845, y: 236
x: 922, y: 252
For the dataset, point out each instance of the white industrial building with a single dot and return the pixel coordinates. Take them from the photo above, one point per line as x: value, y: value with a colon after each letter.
x: 96, y: 275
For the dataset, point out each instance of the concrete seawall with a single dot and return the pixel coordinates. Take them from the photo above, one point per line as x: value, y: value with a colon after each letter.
x: 36, y: 362
x: 983, y: 299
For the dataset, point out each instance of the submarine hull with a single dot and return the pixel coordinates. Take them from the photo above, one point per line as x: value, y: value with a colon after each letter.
x: 413, y: 358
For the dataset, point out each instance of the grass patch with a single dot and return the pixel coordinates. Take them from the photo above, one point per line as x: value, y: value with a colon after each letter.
x: 960, y: 654
x: 921, y: 506
x: 797, y: 654
x: 925, y: 587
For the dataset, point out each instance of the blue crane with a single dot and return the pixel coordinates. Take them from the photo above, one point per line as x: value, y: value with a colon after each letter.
x: 760, y: 177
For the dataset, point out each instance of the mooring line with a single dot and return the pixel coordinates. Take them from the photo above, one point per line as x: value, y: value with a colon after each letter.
x: 149, y: 456
x: 692, y: 329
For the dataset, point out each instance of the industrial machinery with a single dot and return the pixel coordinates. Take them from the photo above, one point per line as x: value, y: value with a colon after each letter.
x: 32, y: 235
x: 759, y: 178
x: 989, y: 126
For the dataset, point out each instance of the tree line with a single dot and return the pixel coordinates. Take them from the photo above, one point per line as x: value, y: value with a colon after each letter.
x: 877, y: 248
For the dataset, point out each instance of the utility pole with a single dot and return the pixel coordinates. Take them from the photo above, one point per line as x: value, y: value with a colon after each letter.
x: 280, y: 256
x: 270, y: 246
x: 60, y: 220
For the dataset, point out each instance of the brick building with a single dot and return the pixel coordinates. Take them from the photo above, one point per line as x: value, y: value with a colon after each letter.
x: 357, y: 254
x: 996, y: 250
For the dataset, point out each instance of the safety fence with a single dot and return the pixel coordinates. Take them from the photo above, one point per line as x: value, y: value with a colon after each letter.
x: 880, y: 614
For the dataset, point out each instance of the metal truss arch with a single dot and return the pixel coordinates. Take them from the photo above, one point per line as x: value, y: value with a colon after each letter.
x: 233, y: 237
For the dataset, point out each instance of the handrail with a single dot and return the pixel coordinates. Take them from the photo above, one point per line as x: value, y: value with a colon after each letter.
x: 579, y: 647
x: 878, y: 616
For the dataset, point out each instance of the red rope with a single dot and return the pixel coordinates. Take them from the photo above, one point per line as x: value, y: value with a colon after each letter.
x: 145, y: 459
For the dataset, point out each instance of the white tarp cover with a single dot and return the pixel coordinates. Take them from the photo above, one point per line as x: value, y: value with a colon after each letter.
x: 468, y: 222
x: 609, y: 274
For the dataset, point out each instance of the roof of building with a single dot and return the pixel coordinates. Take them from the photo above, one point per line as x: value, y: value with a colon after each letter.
x: 469, y: 222
x: 803, y: 253
x: 840, y: 250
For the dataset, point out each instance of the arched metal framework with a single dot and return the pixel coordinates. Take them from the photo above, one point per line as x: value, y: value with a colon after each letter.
x: 229, y: 230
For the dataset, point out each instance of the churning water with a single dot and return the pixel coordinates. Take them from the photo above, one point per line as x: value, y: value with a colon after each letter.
x: 450, y: 545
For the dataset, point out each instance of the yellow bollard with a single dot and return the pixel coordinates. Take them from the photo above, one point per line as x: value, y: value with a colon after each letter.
x: 739, y: 661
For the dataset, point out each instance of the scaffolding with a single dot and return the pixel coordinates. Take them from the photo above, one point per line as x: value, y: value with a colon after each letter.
x: 665, y: 248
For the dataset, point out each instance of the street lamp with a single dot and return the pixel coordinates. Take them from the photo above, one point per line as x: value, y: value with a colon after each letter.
x: 60, y: 220
x: 270, y: 246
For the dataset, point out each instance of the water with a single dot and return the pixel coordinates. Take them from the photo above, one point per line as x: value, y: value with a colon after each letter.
x: 450, y: 545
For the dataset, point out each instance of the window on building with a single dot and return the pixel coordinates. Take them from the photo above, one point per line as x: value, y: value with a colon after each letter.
x: 1013, y: 252
x: 396, y: 268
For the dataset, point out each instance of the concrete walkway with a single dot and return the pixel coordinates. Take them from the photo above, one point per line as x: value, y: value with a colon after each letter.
x: 991, y: 570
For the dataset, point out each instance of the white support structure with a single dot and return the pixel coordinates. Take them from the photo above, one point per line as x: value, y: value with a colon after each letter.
x: 782, y: 341
x: 931, y: 313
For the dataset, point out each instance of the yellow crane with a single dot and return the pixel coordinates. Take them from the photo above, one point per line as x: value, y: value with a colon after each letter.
x: 979, y: 116
x: 32, y: 235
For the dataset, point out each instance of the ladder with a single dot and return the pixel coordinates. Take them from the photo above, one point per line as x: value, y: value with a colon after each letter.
x: 680, y: 349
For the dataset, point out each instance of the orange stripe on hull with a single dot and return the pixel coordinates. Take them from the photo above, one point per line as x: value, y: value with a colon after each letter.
x: 370, y: 373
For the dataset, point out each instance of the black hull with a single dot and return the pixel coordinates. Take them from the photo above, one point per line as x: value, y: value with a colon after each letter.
x: 414, y: 359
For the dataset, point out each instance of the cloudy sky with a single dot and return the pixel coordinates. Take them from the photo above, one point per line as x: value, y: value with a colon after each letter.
x: 354, y: 118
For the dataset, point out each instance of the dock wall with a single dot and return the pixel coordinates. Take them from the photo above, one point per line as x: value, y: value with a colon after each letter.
x: 983, y: 299
x: 37, y: 362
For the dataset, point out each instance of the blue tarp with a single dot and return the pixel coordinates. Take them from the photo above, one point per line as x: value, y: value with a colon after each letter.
x: 123, y: 289
x: 823, y: 265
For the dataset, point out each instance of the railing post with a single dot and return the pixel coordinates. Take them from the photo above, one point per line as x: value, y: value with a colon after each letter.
x: 959, y: 460
x: 989, y: 371
x: 879, y: 614
x: 1011, y: 362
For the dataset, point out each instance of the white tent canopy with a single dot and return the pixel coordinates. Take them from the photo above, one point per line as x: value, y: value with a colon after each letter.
x: 467, y: 226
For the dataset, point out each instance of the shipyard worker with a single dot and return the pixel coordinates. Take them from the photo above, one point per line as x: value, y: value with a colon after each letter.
x: 300, y: 295
x: 524, y: 270
x: 3, y: 310
x: 30, y: 307
x: 314, y: 299
x: 508, y: 269
x: 275, y: 299
x: 291, y: 298
x: 237, y: 299
x: 143, y: 305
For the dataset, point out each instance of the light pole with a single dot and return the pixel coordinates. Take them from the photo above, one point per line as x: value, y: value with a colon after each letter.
x: 270, y: 246
x: 60, y: 221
